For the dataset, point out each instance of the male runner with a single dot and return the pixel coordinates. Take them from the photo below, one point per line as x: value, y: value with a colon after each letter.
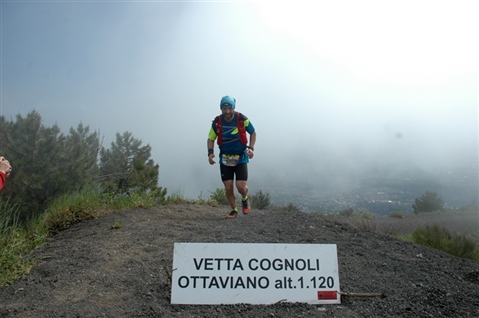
x: 230, y: 130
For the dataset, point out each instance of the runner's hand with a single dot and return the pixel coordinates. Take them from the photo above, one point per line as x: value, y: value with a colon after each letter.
x: 211, y: 160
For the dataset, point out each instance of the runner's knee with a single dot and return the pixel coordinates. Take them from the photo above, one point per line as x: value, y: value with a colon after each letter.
x: 229, y: 186
x: 241, y: 186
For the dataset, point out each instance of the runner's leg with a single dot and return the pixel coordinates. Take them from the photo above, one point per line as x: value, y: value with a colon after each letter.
x: 242, y: 188
x: 227, y: 176
x: 241, y: 179
x: 230, y: 193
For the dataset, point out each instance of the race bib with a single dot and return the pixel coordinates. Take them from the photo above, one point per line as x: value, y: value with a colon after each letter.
x: 230, y: 160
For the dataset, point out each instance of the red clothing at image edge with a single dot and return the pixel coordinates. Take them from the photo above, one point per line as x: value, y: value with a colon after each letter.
x: 2, y: 179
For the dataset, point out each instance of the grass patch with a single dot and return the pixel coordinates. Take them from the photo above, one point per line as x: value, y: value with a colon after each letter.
x: 17, y: 241
x: 177, y: 197
x: 363, y: 223
x: 439, y: 238
x: 219, y: 195
x: 397, y: 214
x: 117, y: 224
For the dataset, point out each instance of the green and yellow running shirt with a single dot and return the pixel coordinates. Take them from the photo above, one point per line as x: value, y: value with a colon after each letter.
x: 231, y: 141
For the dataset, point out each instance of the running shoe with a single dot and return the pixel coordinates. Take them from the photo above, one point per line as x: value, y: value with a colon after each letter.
x: 246, y: 206
x: 233, y: 214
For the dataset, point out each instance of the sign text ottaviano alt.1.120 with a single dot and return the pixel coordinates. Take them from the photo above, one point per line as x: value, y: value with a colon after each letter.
x: 254, y: 273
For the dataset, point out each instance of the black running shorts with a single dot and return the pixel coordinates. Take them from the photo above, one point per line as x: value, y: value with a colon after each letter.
x: 228, y: 173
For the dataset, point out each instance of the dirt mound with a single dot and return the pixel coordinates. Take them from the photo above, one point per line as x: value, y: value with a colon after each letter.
x: 95, y: 270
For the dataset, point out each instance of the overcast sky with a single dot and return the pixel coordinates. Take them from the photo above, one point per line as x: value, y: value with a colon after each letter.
x: 336, y: 86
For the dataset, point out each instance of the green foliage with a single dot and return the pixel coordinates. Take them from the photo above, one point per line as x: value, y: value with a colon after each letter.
x: 138, y: 199
x: 200, y: 199
x: 177, y: 197
x: 219, y: 195
x: 364, y: 223
x: 17, y: 241
x: 292, y: 208
x: 428, y: 202
x: 127, y: 166
x: 365, y: 214
x: 70, y: 208
x: 260, y: 200
x: 396, y: 214
x: 9, y: 214
x: 347, y: 212
x: 117, y: 224
x: 90, y: 203
x: 213, y: 203
x: 441, y: 239
x: 46, y: 162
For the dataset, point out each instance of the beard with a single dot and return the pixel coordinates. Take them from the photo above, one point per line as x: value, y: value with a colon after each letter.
x: 229, y: 117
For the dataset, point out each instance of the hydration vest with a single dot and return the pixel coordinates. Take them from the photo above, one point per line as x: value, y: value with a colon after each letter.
x: 240, y: 125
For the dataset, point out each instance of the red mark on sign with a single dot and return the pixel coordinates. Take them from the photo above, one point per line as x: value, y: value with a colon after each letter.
x: 323, y: 295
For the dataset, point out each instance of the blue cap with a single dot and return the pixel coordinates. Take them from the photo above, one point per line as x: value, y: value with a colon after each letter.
x: 228, y: 102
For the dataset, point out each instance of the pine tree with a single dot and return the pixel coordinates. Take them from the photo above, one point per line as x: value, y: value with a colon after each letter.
x: 81, y: 155
x: 127, y: 165
x: 428, y: 202
x: 45, y: 162
x: 33, y: 150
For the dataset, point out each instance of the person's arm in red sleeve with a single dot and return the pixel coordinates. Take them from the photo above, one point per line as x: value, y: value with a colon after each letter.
x: 2, y: 179
x: 5, y: 169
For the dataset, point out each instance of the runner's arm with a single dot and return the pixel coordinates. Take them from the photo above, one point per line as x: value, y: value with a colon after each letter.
x: 2, y: 179
x: 210, y: 144
x: 252, y: 139
x: 211, y: 155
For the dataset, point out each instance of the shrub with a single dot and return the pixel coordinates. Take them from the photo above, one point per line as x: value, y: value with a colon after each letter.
x: 260, y: 200
x: 200, y: 199
x: 347, y: 212
x: 284, y: 208
x: 365, y: 214
x: 89, y: 203
x: 219, y: 195
x: 213, y: 203
x: 291, y: 207
x: 441, y: 239
x: 367, y: 224
x: 428, y: 202
x: 176, y: 197
x: 396, y: 214
x: 117, y: 224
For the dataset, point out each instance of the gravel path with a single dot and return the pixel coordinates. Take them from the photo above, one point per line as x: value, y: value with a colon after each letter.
x: 94, y: 270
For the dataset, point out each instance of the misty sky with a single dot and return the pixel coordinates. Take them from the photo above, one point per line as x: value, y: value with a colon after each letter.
x: 334, y: 89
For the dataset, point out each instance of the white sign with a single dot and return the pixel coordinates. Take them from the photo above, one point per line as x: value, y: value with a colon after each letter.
x: 232, y: 273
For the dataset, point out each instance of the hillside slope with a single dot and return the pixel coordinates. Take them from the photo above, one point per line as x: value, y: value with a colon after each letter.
x: 94, y: 270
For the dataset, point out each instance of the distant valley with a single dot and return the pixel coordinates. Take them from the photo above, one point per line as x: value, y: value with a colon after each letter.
x: 380, y: 193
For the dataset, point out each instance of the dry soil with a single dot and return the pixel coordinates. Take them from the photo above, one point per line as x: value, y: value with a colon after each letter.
x: 95, y: 270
